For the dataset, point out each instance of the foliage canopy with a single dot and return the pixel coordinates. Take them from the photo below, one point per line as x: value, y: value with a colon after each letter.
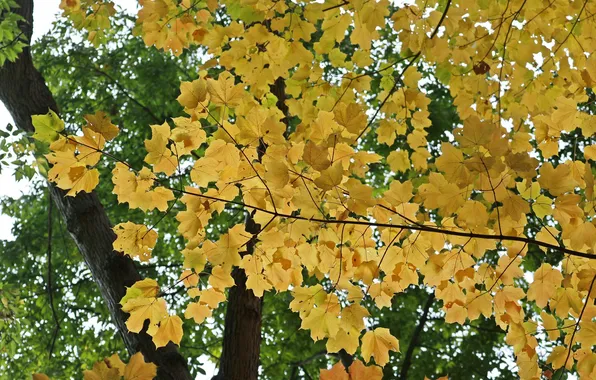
x: 347, y: 155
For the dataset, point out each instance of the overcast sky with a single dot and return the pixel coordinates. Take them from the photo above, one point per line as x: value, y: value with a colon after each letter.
x: 44, y: 13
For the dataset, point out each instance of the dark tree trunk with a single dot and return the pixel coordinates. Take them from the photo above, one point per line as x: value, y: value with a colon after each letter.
x: 24, y: 92
x: 242, y: 334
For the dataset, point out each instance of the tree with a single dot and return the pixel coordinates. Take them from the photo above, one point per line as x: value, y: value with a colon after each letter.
x: 345, y: 153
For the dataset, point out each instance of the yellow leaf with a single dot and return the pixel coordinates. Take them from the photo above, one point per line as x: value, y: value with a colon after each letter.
x: 557, y: 358
x: 316, y: 156
x: 350, y: 116
x: 378, y: 343
x: 220, y: 278
x: 358, y: 371
x: 353, y: 316
x: 212, y: 297
x: 89, y: 146
x: 137, y: 190
x: 169, y: 330
x: 141, y: 309
x: 115, y: 362
x: 223, y: 91
x: 337, y: 372
x: 40, y: 376
x: 197, y: 311
x: 225, y: 251
x: 194, y: 259
x: 550, y: 325
x: 158, y: 154
x: 193, y: 93
x: 545, y: 284
x: 188, y: 135
x: 82, y: 179
x: 321, y: 322
x: 564, y: 300
x: 345, y: 339
x: 306, y: 297
x: 330, y: 177
x: 590, y: 152
x: 399, y: 161
x: 101, y: 371
x: 399, y: 193
x: 566, y: 114
x: 134, y: 240
x: 101, y: 123
x: 204, y: 171
x: 473, y: 215
x: 138, y: 369
x: 70, y: 174
x: 587, y: 333
x: 556, y: 180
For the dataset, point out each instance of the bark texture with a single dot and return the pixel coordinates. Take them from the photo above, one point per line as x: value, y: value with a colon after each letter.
x: 24, y: 92
x: 242, y: 331
x: 242, y: 334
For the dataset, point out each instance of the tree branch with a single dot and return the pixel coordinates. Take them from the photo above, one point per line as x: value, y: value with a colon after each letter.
x: 49, y: 285
x: 415, y: 337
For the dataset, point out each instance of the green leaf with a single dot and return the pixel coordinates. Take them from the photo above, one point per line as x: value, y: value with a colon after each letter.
x: 237, y: 11
x: 47, y: 127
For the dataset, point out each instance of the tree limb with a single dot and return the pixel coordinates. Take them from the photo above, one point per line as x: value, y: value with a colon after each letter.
x: 415, y: 337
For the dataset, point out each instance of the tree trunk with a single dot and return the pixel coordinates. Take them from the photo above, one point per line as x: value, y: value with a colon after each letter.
x: 242, y: 331
x: 24, y: 92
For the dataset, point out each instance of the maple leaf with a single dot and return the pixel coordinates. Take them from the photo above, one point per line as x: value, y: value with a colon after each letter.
x: 169, y: 330
x: 258, y: 283
x: 70, y: 174
x: 224, y: 92
x: 226, y: 251
x: 89, y: 146
x: 101, y: 123
x: 337, y: 372
x: 138, y: 369
x: 345, y: 339
x: 82, y: 179
x: 161, y: 157
x: 322, y: 323
x: 187, y: 136
x: 101, y: 371
x: 135, y: 240
x: 193, y: 94
x: 359, y: 371
x: 197, y: 311
x: 399, y: 161
x: 377, y: 343
x: 143, y: 308
x: 220, y: 278
x: 136, y: 190
x: 545, y: 284
x: 47, y: 127
x: 558, y: 356
x: 330, y: 177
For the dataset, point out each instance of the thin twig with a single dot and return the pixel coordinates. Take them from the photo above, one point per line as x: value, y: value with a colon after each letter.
x: 49, y: 287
